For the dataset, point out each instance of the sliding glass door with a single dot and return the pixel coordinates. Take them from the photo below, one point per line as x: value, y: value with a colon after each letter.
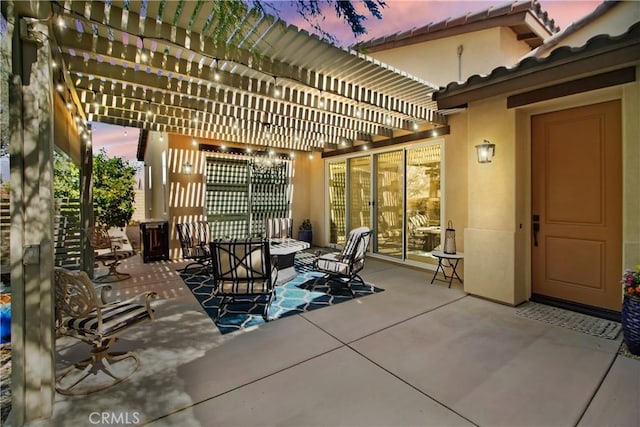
x: 337, y: 202
x: 359, y: 196
x: 423, y: 228
x: 389, y: 178
x: 395, y: 193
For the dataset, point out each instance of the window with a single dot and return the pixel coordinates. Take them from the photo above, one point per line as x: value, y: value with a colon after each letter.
x: 239, y: 199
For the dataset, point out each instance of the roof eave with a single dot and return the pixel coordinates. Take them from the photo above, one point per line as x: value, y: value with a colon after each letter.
x: 569, y: 68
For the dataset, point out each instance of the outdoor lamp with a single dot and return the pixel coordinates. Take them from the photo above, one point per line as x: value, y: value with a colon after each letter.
x: 485, y: 151
x: 187, y: 168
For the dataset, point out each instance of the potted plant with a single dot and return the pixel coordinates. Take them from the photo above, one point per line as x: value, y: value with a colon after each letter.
x: 631, y: 309
x: 305, y: 233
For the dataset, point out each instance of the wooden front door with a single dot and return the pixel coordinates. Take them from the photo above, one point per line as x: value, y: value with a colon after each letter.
x: 577, y: 205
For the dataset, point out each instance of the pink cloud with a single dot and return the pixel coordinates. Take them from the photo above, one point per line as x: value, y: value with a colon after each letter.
x: 114, y: 140
x: 403, y: 15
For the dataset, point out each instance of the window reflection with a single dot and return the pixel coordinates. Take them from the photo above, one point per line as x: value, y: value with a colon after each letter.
x: 423, y: 202
x: 389, y: 204
x: 337, y: 205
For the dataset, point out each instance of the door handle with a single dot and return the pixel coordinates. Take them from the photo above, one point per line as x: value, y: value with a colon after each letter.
x: 536, y: 229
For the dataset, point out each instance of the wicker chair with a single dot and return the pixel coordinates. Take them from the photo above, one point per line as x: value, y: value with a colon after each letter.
x: 82, y: 315
x: 194, y: 241
x: 242, y: 267
x: 343, y: 267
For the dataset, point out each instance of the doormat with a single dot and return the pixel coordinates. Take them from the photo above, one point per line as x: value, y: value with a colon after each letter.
x: 571, y: 320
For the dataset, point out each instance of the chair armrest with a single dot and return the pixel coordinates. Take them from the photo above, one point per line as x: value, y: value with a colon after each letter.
x: 103, y: 292
x: 148, y: 296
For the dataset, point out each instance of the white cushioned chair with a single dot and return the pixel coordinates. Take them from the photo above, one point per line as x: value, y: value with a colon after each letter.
x: 344, y: 267
x: 242, y: 267
x: 278, y: 228
x: 82, y: 315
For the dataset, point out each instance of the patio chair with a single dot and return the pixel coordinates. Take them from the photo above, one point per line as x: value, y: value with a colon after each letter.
x: 194, y: 241
x: 278, y: 228
x: 107, y: 250
x: 343, y: 267
x: 241, y: 268
x: 80, y: 314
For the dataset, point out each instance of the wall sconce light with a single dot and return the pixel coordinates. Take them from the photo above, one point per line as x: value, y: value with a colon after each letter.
x: 485, y: 151
x: 187, y: 168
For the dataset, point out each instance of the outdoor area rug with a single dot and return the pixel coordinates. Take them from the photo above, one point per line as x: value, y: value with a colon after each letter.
x: 568, y: 319
x: 294, y: 297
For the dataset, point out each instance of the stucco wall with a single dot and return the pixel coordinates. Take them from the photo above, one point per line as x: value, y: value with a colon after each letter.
x: 303, y: 195
x: 186, y: 191
x: 455, y: 179
x: 631, y: 173
x: 156, y: 193
x: 498, y: 238
x: 491, y: 233
x: 437, y: 60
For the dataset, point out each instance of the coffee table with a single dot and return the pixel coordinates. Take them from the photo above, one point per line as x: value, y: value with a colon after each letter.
x: 285, y: 252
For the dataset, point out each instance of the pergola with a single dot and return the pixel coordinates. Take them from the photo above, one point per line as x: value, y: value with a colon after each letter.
x: 153, y: 65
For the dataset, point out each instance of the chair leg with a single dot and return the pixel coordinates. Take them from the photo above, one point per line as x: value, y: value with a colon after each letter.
x: 113, y: 275
x: 204, y: 265
x: 221, y: 306
x: 265, y: 314
x: 101, y: 361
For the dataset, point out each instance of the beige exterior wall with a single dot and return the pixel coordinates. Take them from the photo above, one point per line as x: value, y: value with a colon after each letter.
x: 186, y: 191
x: 436, y: 61
x: 455, y: 183
x: 498, y: 238
x: 491, y: 233
x: 305, y: 195
x: 631, y: 174
x: 156, y: 193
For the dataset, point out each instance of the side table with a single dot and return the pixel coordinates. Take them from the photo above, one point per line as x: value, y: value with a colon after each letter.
x: 452, y: 261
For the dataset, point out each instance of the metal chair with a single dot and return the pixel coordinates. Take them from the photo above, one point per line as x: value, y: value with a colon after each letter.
x: 343, y: 267
x: 194, y: 241
x: 80, y: 314
x: 107, y: 250
x: 242, y: 267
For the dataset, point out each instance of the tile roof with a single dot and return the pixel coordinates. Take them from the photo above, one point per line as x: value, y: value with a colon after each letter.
x: 627, y: 43
x: 463, y: 24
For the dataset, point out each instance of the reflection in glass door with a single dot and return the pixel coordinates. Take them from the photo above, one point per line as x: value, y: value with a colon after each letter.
x: 359, y: 192
x: 423, y: 202
x: 337, y: 202
x: 389, y: 180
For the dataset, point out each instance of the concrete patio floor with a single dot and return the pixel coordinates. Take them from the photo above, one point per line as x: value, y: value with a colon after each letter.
x: 416, y: 354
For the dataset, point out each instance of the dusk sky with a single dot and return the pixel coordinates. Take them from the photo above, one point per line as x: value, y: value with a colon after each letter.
x: 399, y: 15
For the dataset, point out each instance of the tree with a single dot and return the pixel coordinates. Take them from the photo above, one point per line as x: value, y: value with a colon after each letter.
x: 229, y: 14
x: 311, y: 11
x: 113, y: 190
x: 66, y: 178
